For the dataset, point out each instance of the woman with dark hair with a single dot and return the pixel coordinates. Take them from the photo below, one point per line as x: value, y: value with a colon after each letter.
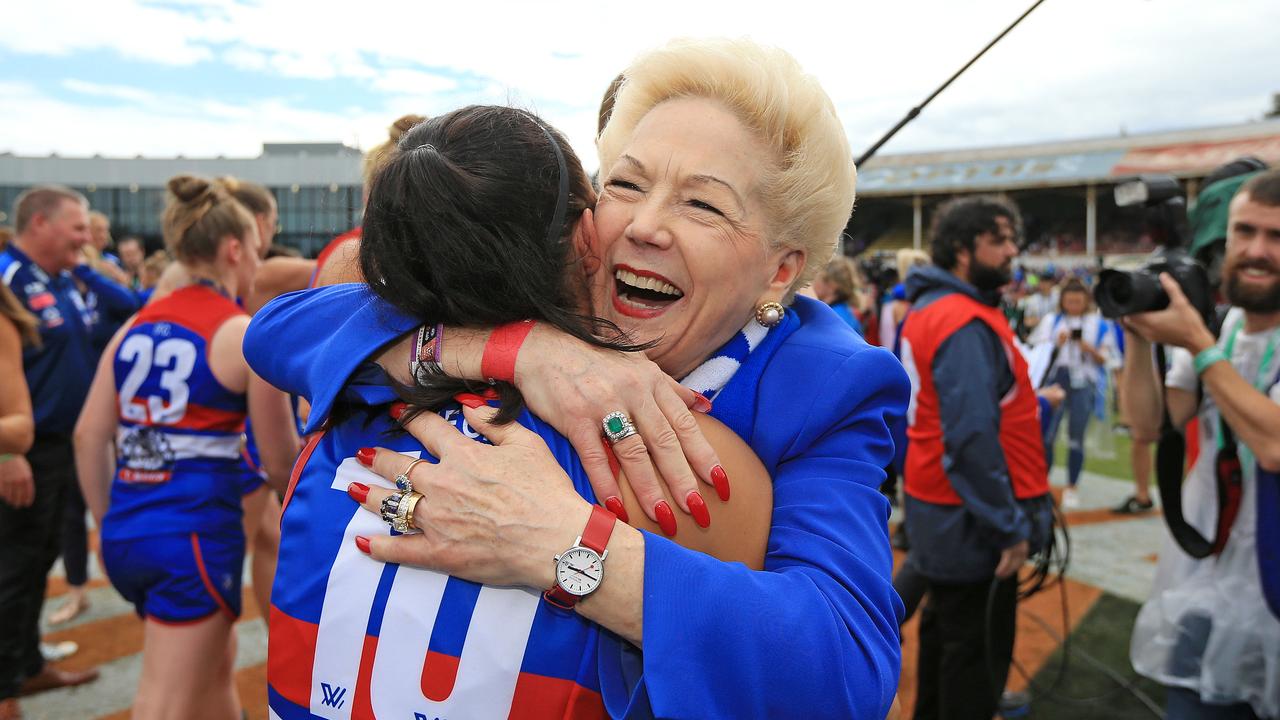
x: 726, y: 184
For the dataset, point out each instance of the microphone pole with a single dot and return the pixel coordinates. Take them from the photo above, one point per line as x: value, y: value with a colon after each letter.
x: 916, y: 110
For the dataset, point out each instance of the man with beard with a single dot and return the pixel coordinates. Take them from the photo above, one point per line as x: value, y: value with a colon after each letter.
x: 977, y: 492
x: 1207, y: 632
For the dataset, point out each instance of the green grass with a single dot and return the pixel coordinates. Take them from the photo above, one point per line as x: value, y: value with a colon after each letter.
x: 1103, y: 634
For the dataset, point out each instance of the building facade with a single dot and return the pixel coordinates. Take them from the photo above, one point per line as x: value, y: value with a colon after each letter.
x: 317, y: 187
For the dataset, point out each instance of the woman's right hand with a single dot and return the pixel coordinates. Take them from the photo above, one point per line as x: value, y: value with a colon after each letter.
x: 573, y: 385
x: 17, y: 486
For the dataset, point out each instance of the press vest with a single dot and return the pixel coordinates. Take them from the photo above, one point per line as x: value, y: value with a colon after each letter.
x: 923, y: 333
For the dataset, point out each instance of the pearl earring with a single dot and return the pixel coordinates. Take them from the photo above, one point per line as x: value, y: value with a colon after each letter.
x: 769, y: 314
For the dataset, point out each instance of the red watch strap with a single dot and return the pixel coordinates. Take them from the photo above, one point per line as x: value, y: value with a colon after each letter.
x: 599, y: 529
x: 498, y: 363
x: 596, y: 536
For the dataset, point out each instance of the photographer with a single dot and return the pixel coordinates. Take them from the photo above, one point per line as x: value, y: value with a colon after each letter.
x: 1207, y: 632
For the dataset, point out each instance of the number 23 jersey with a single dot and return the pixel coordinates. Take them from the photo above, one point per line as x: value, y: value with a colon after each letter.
x: 352, y: 637
x: 179, y: 434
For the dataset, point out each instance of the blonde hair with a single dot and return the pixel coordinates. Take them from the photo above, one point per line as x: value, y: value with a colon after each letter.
x: 907, y: 259
x: 154, y: 266
x: 843, y: 275
x: 11, y: 308
x: 256, y: 198
x: 808, y: 184
x: 381, y: 154
x: 198, y: 215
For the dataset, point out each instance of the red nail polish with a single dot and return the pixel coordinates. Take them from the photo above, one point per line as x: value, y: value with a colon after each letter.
x: 721, y: 481
x: 362, y: 542
x: 358, y: 492
x: 698, y: 509
x: 701, y: 403
x: 471, y: 400
x: 397, y: 409
x: 666, y: 518
x: 365, y: 456
x: 615, y: 506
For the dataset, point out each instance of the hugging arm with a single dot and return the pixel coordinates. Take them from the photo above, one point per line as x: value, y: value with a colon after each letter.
x: 330, y: 331
x: 724, y: 641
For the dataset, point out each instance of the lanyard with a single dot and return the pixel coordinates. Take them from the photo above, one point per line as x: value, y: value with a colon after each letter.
x: 1261, y: 383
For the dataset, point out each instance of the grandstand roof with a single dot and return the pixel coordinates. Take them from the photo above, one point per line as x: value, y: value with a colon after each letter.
x: 1185, y: 153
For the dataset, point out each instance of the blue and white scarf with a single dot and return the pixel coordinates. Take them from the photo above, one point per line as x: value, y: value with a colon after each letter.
x: 714, y: 373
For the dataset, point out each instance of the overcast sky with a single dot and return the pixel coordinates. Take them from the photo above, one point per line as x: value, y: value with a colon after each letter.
x: 203, y: 78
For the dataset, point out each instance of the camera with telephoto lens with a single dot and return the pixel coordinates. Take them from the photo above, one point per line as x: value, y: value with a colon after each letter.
x: 1126, y: 292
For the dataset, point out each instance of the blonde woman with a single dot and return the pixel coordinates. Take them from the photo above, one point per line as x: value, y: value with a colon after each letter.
x: 158, y: 451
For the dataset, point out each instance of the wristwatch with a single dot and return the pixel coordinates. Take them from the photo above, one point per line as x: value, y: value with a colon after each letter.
x: 580, y: 569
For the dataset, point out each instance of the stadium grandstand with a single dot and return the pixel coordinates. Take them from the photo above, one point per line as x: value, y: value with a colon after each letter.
x: 1064, y: 189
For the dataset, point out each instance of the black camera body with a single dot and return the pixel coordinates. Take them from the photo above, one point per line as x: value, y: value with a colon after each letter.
x: 1121, y: 292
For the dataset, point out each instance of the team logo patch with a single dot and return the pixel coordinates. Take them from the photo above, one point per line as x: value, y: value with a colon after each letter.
x: 145, y: 455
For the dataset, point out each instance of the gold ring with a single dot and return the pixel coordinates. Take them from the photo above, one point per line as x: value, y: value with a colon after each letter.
x: 404, y: 512
x: 403, y: 481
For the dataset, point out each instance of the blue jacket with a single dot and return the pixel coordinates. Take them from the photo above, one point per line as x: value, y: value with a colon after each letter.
x: 963, y: 543
x: 110, y: 305
x: 815, y: 403
x: 60, y: 370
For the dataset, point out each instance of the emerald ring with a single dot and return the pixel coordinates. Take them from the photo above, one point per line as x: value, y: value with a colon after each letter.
x: 617, y: 426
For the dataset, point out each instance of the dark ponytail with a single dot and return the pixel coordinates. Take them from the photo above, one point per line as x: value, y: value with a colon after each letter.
x: 458, y: 231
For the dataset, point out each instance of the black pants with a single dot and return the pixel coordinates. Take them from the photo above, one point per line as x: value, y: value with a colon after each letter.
x: 75, y: 538
x: 29, y: 539
x: 964, y: 662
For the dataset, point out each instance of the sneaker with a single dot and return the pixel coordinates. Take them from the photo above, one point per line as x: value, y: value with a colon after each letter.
x: 53, y: 652
x: 1133, y: 506
x: 1070, y: 501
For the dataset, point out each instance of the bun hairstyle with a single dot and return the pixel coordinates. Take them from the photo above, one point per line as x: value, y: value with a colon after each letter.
x: 459, y: 230
x: 380, y: 154
x: 199, y: 213
x: 256, y: 198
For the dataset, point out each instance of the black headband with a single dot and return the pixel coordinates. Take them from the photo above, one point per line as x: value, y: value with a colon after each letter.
x: 562, y: 197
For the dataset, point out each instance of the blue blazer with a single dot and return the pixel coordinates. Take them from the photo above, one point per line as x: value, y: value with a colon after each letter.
x: 813, y: 635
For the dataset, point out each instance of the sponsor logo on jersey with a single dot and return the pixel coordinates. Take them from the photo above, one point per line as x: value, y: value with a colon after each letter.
x: 333, y: 695
x: 42, y: 300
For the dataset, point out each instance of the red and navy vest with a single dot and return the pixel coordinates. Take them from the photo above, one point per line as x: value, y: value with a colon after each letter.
x: 923, y: 333
x: 179, y: 434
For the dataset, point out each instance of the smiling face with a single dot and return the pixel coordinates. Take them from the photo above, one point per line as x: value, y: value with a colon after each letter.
x: 683, y: 234
x: 64, y: 232
x: 1251, y: 270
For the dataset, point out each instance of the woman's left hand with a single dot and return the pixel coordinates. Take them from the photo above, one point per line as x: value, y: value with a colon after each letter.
x: 493, y: 514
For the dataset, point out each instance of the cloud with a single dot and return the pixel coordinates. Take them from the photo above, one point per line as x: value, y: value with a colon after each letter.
x: 1072, y: 69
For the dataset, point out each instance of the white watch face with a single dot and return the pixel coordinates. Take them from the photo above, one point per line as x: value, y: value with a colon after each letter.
x: 579, y: 571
